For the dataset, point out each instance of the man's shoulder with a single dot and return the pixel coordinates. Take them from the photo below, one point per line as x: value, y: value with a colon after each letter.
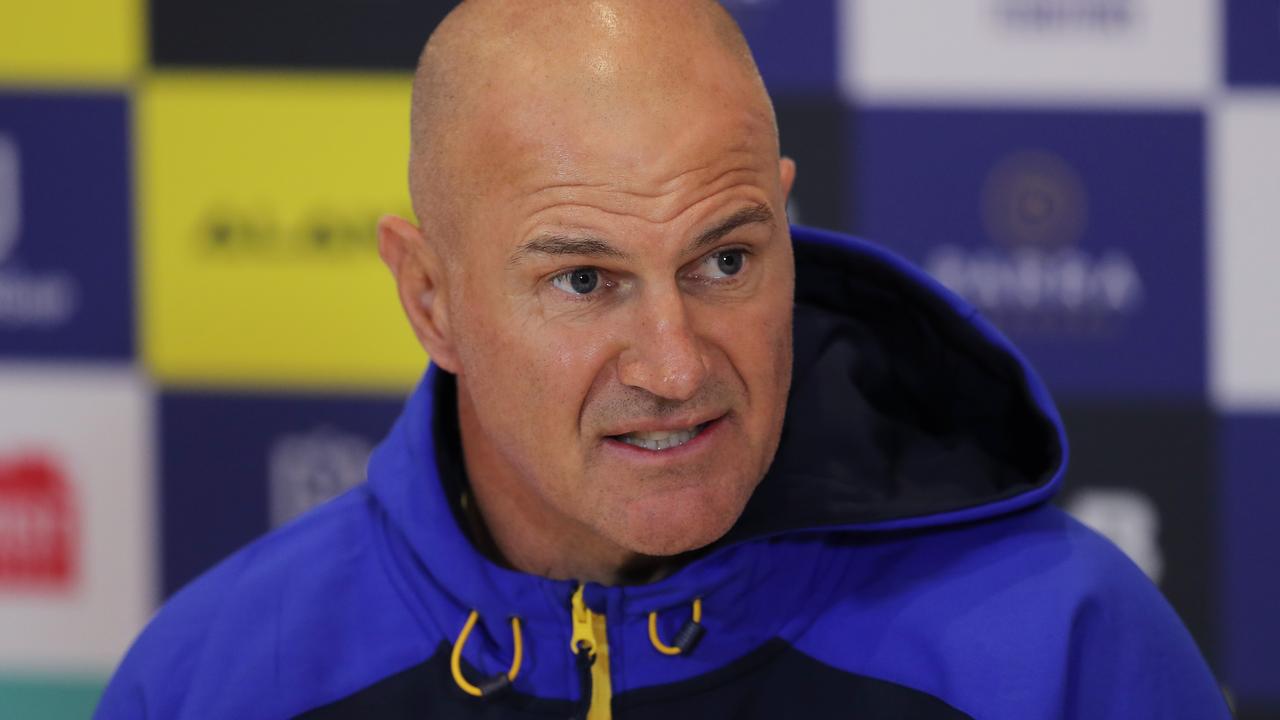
x: 261, y: 620
x: 1042, y: 558
x: 316, y: 548
x: 1038, y: 566
x: 1043, y: 548
x: 1011, y: 615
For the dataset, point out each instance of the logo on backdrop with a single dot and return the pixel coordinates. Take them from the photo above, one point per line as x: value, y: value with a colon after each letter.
x: 38, y: 524
x: 1034, y: 275
x: 307, y: 469
x: 1127, y: 517
x: 308, y: 448
x: 27, y: 299
x: 1047, y: 15
x: 1079, y: 234
x: 339, y: 234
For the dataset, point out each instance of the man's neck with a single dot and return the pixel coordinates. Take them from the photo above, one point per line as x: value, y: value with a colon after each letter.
x: 510, y: 523
x: 501, y: 521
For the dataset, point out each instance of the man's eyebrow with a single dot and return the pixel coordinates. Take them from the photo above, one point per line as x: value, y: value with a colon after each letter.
x: 758, y: 213
x: 560, y: 244
x: 588, y: 246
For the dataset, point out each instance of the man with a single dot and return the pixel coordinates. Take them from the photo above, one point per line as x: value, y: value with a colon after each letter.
x: 673, y: 459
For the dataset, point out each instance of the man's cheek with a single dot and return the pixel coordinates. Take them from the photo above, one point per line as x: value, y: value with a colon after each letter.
x: 763, y: 349
x: 578, y: 351
x: 549, y: 399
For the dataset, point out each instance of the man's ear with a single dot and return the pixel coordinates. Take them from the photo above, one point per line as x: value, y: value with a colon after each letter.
x: 787, y: 175
x: 420, y: 278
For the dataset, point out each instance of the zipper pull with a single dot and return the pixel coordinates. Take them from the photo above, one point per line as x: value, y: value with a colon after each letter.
x: 590, y: 642
x: 584, y: 634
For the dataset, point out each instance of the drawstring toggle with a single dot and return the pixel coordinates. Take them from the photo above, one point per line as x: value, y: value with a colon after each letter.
x: 686, y: 639
x: 496, y: 683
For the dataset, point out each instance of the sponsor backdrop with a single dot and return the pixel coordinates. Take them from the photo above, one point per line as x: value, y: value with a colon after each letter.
x: 197, y: 341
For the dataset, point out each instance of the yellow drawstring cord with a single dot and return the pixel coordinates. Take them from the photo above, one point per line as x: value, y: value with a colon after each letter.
x: 679, y: 647
x: 500, y: 681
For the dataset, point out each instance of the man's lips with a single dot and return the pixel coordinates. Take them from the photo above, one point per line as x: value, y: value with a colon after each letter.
x: 665, y: 434
x: 661, y: 439
x: 671, y: 423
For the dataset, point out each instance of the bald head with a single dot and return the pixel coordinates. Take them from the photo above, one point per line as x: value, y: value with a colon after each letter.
x: 494, y: 68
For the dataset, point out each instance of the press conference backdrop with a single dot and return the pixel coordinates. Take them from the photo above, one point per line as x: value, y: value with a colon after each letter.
x: 197, y: 342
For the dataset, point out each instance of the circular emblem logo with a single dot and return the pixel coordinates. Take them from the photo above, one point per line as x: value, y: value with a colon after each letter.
x: 1034, y: 199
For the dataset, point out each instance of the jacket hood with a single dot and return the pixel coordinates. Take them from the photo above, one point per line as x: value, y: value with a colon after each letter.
x: 907, y: 411
x: 907, y: 408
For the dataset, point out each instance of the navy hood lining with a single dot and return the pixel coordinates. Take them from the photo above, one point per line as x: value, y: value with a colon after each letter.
x: 902, y: 404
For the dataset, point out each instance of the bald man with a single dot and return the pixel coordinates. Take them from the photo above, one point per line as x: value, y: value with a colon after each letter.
x: 673, y: 458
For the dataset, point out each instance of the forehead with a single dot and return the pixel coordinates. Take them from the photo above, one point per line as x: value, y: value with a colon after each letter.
x: 641, y: 156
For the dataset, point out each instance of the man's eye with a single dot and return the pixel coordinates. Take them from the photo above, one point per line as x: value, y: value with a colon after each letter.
x: 579, y: 281
x: 723, y: 264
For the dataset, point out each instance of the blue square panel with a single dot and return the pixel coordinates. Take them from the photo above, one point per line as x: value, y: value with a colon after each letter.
x: 1250, y: 611
x: 794, y: 43
x: 1252, y: 42
x: 1080, y: 234
x: 66, y: 263
x: 234, y: 466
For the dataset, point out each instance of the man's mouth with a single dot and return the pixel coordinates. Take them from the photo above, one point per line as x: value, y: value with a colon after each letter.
x: 661, y: 439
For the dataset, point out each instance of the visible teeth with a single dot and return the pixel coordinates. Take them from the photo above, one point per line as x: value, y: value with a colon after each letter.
x: 661, y: 439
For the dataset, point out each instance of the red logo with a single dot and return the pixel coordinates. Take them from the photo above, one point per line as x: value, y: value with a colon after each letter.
x: 37, y: 524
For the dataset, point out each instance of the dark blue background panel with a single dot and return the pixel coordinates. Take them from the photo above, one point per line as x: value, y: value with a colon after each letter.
x: 1252, y: 42
x: 794, y: 43
x: 1143, y: 475
x: 233, y: 466
x: 1250, y: 613
x: 311, y: 34
x: 66, y: 260
x: 1080, y: 234
x: 812, y: 134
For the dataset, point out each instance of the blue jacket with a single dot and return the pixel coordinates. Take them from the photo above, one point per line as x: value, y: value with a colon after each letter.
x: 899, y: 560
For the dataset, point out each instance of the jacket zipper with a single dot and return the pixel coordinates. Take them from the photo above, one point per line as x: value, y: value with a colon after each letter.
x: 591, y: 644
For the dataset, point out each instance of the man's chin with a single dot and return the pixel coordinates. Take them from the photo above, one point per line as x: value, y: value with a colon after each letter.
x: 678, y: 543
x: 667, y: 529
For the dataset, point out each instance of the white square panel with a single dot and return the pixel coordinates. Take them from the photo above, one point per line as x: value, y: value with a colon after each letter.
x: 1029, y: 51
x: 77, y: 538
x: 1244, y: 294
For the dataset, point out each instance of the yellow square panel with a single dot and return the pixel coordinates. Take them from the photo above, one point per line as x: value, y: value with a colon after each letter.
x: 95, y: 41
x: 259, y: 202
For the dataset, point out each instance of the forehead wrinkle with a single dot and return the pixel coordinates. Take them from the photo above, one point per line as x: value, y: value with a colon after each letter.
x: 553, y: 159
x: 719, y: 184
x: 576, y: 148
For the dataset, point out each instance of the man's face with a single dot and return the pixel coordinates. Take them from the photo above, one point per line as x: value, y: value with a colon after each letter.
x: 621, y: 303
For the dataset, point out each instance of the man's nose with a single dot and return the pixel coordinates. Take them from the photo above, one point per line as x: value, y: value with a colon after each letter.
x: 664, y: 355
